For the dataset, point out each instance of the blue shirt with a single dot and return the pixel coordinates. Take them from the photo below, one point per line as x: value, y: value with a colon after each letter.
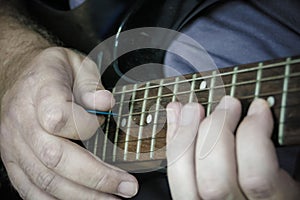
x: 239, y: 32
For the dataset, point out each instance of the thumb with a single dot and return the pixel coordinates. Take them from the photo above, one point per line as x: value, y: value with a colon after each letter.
x: 88, y: 90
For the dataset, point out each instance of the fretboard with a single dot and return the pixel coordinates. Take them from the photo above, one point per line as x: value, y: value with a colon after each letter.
x: 138, y: 132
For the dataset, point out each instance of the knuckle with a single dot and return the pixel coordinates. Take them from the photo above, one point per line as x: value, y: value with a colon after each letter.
x: 94, y: 195
x: 24, y: 189
x: 50, y: 110
x: 256, y: 187
x: 214, y: 190
x: 53, y: 51
x: 51, y: 154
x: 25, y: 192
x: 28, y: 167
x: 46, y: 181
x: 213, y: 194
x: 101, y: 181
x: 53, y: 119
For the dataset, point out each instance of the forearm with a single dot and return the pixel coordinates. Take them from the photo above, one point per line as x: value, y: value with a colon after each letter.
x: 18, y: 41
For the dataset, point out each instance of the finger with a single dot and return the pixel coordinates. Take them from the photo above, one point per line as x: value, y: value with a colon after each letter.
x: 88, y: 90
x: 181, y: 149
x: 259, y: 173
x: 173, y: 116
x: 51, y: 183
x: 215, y: 152
x: 25, y: 188
x: 58, y: 115
x: 77, y: 164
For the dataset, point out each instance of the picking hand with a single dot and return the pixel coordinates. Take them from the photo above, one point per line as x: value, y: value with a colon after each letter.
x: 46, y: 107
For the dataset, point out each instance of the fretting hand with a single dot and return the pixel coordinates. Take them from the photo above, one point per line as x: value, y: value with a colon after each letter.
x: 241, y: 166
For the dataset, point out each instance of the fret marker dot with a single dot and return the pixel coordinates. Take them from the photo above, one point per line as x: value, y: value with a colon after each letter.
x: 271, y: 101
x: 149, y: 119
x: 123, y: 122
x: 203, y: 85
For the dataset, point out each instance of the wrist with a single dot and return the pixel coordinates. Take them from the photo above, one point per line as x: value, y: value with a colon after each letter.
x: 20, y: 44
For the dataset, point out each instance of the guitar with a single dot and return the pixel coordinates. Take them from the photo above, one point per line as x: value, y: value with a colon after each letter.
x: 135, y: 139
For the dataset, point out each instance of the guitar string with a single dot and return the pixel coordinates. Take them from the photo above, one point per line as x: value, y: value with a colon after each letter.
x: 239, y: 71
x: 137, y: 126
x: 213, y: 102
x: 201, y: 78
x: 250, y: 97
x: 228, y: 85
x: 243, y: 83
x: 144, y: 139
x: 249, y: 82
x: 161, y: 110
x: 148, y: 139
x: 217, y: 87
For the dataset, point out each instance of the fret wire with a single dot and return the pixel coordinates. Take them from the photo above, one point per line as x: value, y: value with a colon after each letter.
x: 283, y: 102
x: 222, y: 86
x: 241, y: 98
x: 129, y: 123
x: 147, y: 152
x: 135, y: 140
x: 233, y: 81
x: 99, y: 63
x: 106, y: 133
x: 96, y: 141
x: 279, y: 107
x: 258, y: 80
x: 268, y: 94
x: 153, y: 137
x: 175, y: 89
x: 211, y: 91
x: 269, y: 66
x: 247, y: 98
x: 138, y: 149
x: 118, y: 125
x: 192, y: 88
x: 284, y: 92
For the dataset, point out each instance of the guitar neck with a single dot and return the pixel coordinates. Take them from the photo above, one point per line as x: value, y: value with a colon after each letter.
x: 138, y: 132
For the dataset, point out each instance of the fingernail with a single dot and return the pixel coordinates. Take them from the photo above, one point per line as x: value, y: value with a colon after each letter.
x: 127, y: 189
x: 225, y: 103
x: 112, y: 101
x: 257, y: 106
x: 171, y: 116
x: 108, y: 94
x: 188, y: 113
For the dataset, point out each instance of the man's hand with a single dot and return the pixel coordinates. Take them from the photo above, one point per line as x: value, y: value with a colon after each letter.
x: 244, y: 166
x: 42, y: 110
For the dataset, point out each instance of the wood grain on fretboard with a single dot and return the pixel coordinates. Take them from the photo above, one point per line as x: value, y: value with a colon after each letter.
x: 139, y: 130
